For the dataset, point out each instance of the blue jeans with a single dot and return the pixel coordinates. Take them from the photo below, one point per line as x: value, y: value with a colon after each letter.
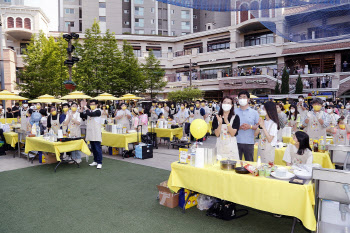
x: 75, y: 155
x: 97, y: 151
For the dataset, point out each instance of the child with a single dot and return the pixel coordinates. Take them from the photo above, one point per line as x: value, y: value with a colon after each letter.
x: 293, y: 118
x: 340, y: 132
x: 299, y: 151
x: 269, y: 129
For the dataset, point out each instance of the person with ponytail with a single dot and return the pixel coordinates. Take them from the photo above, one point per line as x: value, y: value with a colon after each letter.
x: 299, y: 151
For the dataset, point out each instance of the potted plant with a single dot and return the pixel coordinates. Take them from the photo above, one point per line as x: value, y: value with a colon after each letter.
x: 69, y: 84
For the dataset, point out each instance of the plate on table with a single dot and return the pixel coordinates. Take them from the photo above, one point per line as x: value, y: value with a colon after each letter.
x: 287, y: 177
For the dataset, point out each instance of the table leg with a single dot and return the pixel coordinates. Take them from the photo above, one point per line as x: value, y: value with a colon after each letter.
x: 19, y: 144
x: 293, y: 226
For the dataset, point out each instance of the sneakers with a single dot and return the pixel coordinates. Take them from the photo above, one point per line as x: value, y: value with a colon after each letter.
x: 93, y: 164
x: 99, y: 166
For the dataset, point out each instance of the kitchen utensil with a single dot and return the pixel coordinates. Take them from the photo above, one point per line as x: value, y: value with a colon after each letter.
x: 227, y: 165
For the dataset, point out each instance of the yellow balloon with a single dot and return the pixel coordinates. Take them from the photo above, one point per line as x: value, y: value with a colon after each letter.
x: 198, y: 128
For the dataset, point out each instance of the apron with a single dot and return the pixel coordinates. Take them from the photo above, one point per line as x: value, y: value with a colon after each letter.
x: 265, y: 150
x: 190, y: 119
x: 197, y: 114
x: 55, y: 124
x: 172, y: 111
x: 207, y: 113
x: 93, y: 129
x: 74, y: 128
x: 104, y: 116
x: 226, y: 144
x: 332, y: 121
x: 24, y: 119
x: 124, y: 121
x: 314, y: 129
x: 64, y: 127
x: 181, y: 117
x: 166, y: 112
x: 340, y: 137
x: 299, y: 159
x: 154, y: 116
x: 302, y: 113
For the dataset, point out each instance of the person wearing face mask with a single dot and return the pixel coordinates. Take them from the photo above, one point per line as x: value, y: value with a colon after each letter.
x: 123, y: 117
x: 340, y: 132
x: 28, y: 127
x: 206, y: 109
x: 53, y: 121
x: 182, y: 115
x: 2, y: 112
x: 332, y: 117
x: 199, y: 112
x: 63, y: 118
x: 43, y: 121
x: 299, y: 151
x: 316, y: 121
x: 135, y: 118
x: 23, y: 114
x: 190, y: 114
x: 159, y: 109
x: 172, y: 110
x: 93, y: 130
x: 37, y: 107
x: 104, y: 113
x: 293, y: 118
x: 248, y: 124
x: 16, y: 110
x: 269, y: 130
x: 302, y: 107
x: 166, y: 110
x: 154, y: 116
x: 282, y: 117
x: 226, y: 125
x: 161, y: 118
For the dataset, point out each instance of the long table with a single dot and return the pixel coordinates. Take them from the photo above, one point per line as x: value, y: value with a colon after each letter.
x: 11, y: 138
x: 119, y: 140
x: 321, y: 158
x: 167, y: 133
x: 266, y: 194
x: 8, y: 120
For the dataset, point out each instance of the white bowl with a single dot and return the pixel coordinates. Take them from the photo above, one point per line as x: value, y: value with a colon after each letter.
x: 302, y: 174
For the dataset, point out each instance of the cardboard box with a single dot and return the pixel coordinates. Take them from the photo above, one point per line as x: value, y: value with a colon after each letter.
x: 166, y: 197
x: 50, y: 158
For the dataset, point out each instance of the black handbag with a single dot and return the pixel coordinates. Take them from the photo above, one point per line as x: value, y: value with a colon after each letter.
x: 226, y: 210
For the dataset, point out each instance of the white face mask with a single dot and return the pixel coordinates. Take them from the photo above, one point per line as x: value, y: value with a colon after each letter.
x: 329, y: 110
x: 243, y: 102
x: 25, y: 105
x: 263, y: 113
x: 292, y: 110
x: 300, y: 100
x: 226, y: 107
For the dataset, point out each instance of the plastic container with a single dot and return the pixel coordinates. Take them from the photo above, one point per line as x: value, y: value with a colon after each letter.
x: 322, y: 145
x: 315, y: 145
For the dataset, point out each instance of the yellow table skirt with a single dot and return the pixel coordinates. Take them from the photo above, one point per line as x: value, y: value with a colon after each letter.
x: 266, y: 194
x: 167, y: 133
x: 119, y: 140
x: 288, y: 139
x: 8, y: 120
x: 321, y: 158
x: 11, y: 138
x: 39, y: 144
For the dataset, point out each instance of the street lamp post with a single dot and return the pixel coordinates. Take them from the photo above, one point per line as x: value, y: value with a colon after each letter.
x: 190, y: 67
x: 71, y: 60
x: 1, y: 58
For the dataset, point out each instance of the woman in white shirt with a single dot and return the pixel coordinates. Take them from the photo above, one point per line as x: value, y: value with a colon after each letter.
x: 268, y: 129
x: 299, y: 151
x: 74, y: 121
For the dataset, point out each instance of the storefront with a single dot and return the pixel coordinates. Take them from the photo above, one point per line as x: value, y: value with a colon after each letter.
x: 256, y: 86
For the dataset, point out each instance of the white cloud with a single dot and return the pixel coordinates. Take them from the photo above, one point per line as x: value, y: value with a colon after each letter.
x: 49, y: 7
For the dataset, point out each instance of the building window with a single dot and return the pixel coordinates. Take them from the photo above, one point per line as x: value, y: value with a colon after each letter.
x: 172, y: 22
x: 19, y: 22
x: 218, y: 45
x: 139, y: 31
x: 126, y: 0
x: 102, y: 18
x: 153, y: 21
x: 27, y: 24
x: 185, y: 25
x: 10, y: 22
x: 152, y: 10
x: 69, y: 23
x: 258, y: 39
x: 23, y: 47
x: 139, y: 22
x: 195, y: 27
x: 7, y: 1
x: 126, y: 22
x: 195, y: 16
x: 137, y: 52
x: 153, y: 32
x: 157, y: 52
x: 69, y: 11
x: 139, y: 11
x: 138, y: 1
x: 102, y: 5
x: 126, y: 11
x: 170, y: 49
x: 173, y: 33
x: 185, y: 14
x: 172, y: 11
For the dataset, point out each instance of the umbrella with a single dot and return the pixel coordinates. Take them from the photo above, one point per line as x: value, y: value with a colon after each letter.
x: 75, y: 95
x: 106, y: 96
x: 6, y: 95
x: 130, y: 97
x: 46, y: 99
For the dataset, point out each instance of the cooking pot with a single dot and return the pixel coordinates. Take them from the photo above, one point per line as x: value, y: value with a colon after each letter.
x: 227, y: 165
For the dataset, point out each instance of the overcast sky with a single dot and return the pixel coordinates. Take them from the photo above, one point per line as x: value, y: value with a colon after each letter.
x: 50, y: 8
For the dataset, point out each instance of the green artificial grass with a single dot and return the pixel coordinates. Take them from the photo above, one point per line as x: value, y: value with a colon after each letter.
x: 121, y: 197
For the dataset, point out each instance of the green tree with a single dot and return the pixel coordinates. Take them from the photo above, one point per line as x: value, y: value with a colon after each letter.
x: 187, y: 94
x: 277, y: 88
x: 44, y: 69
x: 153, y: 74
x: 285, y: 82
x: 299, y: 86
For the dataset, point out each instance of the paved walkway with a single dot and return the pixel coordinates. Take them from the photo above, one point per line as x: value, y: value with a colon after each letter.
x: 162, y: 158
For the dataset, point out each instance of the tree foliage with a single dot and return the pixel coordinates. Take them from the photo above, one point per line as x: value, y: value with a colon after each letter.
x: 187, y: 94
x: 44, y: 70
x: 299, y: 86
x: 277, y: 88
x: 285, y: 82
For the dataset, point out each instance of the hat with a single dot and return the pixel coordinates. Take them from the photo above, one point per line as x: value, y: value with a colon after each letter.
x: 136, y: 111
x: 24, y: 101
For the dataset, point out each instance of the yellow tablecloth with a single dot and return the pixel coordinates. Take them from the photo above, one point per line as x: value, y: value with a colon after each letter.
x: 288, y: 139
x: 39, y: 144
x: 11, y: 138
x: 119, y: 140
x: 321, y: 158
x: 8, y: 120
x: 167, y: 133
x: 271, y: 195
x: 210, y: 127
